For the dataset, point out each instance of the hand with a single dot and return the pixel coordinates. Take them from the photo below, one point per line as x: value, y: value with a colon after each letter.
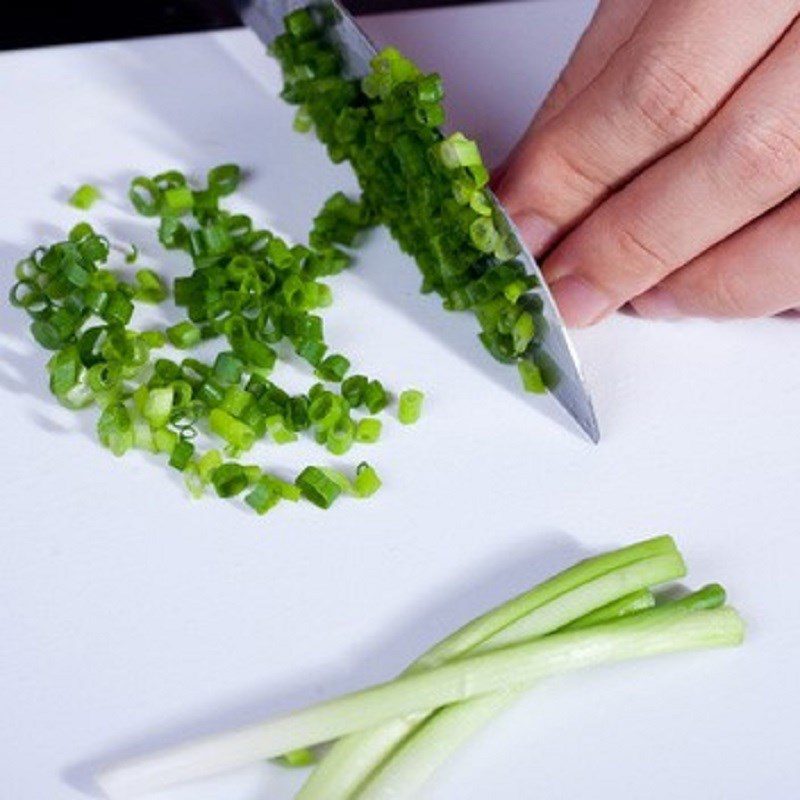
x: 662, y: 168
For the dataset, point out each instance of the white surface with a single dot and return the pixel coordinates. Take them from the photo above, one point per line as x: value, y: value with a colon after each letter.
x: 131, y: 617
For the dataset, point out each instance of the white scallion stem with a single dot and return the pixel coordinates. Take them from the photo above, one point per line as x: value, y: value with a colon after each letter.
x: 435, y: 739
x: 645, y: 634
x: 568, y: 596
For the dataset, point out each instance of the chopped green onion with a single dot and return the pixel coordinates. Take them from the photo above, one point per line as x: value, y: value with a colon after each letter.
x: 149, y: 287
x: 235, y: 433
x: 458, y: 151
x: 165, y: 440
x: 181, y: 455
x: 288, y: 491
x: 85, y: 196
x: 263, y: 496
x: 228, y: 367
x: 410, y: 406
x: 207, y: 464
x: 194, y: 484
x: 353, y: 389
x: 532, y: 380
x: 368, y: 430
x: 340, y: 436
x: 229, y: 479
x: 236, y: 401
x: 318, y: 486
x: 332, y: 368
x: 145, y: 196
x: 115, y: 429
x: 375, y: 397
x: 224, y: 179
x: 178, y: 200
x: 248, y: 286
x: 279, y: 433
x: 367, y: 481
x: 325, y: 409
x: 65, y: 370
x: 158, y: 406
x: 302, y: 121
x: 430, y: 190
x: 183, y: 335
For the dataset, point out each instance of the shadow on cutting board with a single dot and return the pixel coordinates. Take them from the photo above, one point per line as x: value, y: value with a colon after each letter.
x: 513, y: 571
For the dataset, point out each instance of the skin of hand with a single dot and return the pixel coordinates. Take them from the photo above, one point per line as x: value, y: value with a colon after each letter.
x: 663, y: 168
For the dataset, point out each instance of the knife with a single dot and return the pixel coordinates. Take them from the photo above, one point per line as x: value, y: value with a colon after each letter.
x: 265, y: 19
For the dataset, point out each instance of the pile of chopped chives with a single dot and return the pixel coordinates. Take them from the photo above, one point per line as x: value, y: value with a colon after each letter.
x: 250, y: 290
x: 428, y: 189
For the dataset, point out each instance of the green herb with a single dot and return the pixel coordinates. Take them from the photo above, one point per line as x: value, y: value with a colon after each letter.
x: 428, y: 189
x: 368, y: 430
x: 181, y: 455
x: 230, y: 479
x: 319, y: 486
x: 532, y: 379
x: 247, y: 288
x: 410, y: 406
x: 149, y: 287
x: 367, y: 481
x: 264, y: 496
x: 85, y: 196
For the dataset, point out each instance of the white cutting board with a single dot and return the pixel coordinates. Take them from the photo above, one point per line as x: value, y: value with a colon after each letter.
x: 131, y: 617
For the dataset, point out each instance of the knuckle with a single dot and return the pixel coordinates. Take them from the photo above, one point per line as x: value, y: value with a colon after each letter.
x: 640, y: 256
x: 564, y: 176
x: 764, y: 152
x: 626, y: 258
x: 583, y: 177
x: 662, y: 94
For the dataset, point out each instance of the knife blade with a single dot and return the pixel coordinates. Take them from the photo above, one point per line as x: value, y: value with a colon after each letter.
x: 265, y: 19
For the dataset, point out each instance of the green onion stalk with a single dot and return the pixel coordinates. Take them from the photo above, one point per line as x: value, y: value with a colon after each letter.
x: 465, y: 668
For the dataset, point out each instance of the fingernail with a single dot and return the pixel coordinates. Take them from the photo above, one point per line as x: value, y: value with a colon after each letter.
x: 657, y: 303
x: 579, y: 302
x: 537, y: 232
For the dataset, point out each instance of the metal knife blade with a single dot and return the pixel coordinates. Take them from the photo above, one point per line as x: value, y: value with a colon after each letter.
x: 265, y: 19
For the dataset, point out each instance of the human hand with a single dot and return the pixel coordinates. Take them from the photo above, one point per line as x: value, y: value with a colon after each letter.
x: 662, y: 168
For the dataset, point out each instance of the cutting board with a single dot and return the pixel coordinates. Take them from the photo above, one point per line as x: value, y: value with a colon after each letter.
x: 132, y: 617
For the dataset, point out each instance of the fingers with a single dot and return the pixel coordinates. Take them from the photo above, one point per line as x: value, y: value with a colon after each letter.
x: 743, y: 163
x: 754, y: 273
x: 612, y: 23
x: 657, y: 90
